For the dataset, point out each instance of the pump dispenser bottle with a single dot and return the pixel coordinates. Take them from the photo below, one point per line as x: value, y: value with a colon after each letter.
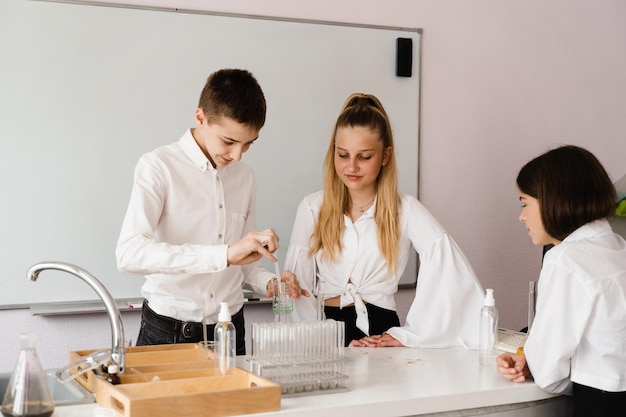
x: 28, y: 394
x: 488, y: 330
x: 225, y: 340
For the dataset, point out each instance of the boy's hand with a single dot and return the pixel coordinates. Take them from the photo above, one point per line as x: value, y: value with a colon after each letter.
x: 513, y: 367
x: 253, y: 247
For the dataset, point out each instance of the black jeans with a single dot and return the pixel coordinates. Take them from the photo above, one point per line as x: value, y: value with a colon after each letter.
x: 592, y: 402
x: 380, y: 320
x: 161, y: 330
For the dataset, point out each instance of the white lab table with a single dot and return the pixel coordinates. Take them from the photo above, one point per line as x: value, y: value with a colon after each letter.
x: 407, y: 382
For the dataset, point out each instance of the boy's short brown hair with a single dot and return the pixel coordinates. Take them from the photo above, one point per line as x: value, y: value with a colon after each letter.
x: 236, y: 94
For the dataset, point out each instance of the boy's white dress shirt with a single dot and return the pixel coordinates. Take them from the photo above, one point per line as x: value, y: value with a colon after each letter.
x: 182, y: 215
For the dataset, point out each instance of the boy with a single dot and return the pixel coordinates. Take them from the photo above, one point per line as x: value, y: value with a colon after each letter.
x: 189, y: 226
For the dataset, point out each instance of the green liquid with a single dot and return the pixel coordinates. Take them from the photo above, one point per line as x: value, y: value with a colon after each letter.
x: 278, y: 309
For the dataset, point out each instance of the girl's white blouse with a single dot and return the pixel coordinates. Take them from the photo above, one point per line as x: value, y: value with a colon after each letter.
x: 448, y: 297
x: 579, y: 331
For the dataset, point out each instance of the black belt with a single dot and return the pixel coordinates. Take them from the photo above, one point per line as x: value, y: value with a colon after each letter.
x: 191, y: 330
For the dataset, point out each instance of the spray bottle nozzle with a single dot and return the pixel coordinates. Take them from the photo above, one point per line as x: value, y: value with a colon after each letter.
x: 224, y: 314
x: 489, y: 298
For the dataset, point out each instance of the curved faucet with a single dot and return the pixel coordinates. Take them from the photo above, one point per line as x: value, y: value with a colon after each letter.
x: 117, y: 329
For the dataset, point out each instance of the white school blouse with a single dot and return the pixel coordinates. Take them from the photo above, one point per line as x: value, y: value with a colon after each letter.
x: 182, y: 215
x: 579, y: 330
x: 448, y: 297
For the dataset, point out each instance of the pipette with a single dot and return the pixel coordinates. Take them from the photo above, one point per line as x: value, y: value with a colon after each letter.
x: 277, y: 269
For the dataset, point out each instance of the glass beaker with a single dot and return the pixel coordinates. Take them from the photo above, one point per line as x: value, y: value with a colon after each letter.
x: 28, y: 394
x: 282, y: 303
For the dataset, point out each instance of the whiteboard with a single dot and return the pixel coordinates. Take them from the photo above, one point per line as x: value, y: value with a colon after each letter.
x: 85, y: 90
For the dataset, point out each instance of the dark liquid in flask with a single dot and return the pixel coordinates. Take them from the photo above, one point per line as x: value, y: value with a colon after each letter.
x: 32, y: 410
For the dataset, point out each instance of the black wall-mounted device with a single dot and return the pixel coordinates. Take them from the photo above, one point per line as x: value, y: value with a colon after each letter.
x: 404, y: 57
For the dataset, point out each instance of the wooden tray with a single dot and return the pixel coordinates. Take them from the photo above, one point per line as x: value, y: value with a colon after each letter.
x: 146, y: 359
x: 179, y: 380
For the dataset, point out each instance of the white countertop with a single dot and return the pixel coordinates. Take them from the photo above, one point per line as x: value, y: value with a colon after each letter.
x: 397, y: 382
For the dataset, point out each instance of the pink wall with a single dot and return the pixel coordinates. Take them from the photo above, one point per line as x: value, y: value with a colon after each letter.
x: 502, y: 81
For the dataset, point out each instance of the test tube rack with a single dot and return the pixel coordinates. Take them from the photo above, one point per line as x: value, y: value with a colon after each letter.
x: 304, y: 358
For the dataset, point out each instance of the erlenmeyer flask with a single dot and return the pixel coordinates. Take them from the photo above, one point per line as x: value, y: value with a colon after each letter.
x: 27, y: 394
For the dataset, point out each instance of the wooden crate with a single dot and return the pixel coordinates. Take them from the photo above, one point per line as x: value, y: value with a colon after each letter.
x: 178, y: 380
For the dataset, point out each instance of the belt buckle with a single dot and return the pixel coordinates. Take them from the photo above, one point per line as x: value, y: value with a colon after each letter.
x: 187, y: 330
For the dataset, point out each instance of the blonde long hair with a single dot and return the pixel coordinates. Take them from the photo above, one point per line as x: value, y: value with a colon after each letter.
x: 363, y: 110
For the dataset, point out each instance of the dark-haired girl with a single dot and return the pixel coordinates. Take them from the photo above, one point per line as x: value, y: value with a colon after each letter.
x: 577, y: 344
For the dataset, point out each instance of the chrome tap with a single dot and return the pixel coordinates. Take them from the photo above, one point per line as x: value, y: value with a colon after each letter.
x: 117, y: 329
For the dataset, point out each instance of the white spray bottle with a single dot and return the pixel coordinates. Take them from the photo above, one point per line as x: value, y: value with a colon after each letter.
x: 225, y: 341
x: 488, y: 330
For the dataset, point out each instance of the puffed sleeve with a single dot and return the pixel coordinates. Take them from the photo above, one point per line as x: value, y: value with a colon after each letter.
x: 446, y: 309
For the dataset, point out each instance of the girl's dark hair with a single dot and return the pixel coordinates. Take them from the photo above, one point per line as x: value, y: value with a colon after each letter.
x: 572, y: 187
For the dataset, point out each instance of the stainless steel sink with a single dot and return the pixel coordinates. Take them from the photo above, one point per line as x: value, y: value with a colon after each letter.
x: 68, y: 393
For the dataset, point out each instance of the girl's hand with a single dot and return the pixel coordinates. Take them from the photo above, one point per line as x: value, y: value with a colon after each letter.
x: 384, y: 340
x: 294, y: 285
x: 513, y: 367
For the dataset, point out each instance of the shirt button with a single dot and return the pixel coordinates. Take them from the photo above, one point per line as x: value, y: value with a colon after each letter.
x: 219, y: 236
x: 220, y: 206
x: 211, y: 295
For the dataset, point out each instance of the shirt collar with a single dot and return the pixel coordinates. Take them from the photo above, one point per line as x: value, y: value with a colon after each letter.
x: 194, y: 153
x: 588, y: 230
